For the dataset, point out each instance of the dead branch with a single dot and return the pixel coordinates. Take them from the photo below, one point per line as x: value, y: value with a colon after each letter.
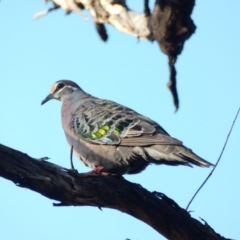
x: 73, y: 189
x: 170, y: 24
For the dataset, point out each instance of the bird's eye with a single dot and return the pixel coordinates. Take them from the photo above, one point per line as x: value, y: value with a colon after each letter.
x: 59, y: 86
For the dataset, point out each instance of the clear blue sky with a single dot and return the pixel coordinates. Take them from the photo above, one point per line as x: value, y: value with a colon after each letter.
x: 34, y: 54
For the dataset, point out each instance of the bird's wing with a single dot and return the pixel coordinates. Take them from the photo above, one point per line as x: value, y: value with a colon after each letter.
x: 106, y: 122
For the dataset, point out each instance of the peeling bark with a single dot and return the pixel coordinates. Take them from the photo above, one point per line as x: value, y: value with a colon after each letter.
x: 170, y: 24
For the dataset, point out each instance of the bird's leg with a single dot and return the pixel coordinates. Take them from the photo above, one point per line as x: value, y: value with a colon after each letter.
x: 71, y: 161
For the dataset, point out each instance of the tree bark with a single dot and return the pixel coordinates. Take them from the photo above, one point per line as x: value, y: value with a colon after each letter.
x: 73, y: 189
x: 170, y: 24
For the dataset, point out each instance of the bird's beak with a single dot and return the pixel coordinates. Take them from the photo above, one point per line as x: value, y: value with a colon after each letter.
x: 49, y: 97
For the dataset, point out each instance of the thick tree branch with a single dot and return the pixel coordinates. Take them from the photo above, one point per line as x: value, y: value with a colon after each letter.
x: 71, y: 188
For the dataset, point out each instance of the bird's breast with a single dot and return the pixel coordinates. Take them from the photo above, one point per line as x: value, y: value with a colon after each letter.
x: 65, y: 113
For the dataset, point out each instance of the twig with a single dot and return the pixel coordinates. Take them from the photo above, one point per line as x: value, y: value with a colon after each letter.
x: 217, y: 160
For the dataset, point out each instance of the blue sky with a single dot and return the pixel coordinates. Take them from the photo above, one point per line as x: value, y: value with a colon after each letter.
x: 34, y: 54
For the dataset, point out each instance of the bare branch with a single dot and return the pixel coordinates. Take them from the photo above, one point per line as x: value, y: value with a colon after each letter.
x: 111, y: 12
x: 71, y: 188
x: 170, y: 24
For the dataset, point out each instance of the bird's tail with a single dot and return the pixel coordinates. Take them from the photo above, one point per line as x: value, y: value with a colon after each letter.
x: 175, y: 155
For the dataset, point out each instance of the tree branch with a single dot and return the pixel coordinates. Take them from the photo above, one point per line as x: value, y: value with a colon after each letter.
x: 71, y: 188
x: 170, y: 24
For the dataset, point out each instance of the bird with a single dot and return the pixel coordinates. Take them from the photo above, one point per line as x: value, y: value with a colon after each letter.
x: 111, y: 138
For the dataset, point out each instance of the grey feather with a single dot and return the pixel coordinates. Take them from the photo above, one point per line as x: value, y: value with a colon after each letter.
x: 104, y: 133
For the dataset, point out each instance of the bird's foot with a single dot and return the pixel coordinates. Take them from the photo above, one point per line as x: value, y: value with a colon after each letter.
x: 100, y: 171
x: 97, y: 170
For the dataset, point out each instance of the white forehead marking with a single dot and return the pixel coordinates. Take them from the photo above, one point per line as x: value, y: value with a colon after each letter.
x: 53, y: 88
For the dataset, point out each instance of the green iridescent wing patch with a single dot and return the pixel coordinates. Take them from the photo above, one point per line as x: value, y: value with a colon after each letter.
x: 105, y: 131
x: 103, y: 124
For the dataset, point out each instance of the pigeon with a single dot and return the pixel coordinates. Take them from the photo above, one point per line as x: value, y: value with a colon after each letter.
x: 111, y: 138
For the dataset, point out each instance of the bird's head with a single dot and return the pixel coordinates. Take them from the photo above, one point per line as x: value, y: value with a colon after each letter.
x: 60, y: 90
